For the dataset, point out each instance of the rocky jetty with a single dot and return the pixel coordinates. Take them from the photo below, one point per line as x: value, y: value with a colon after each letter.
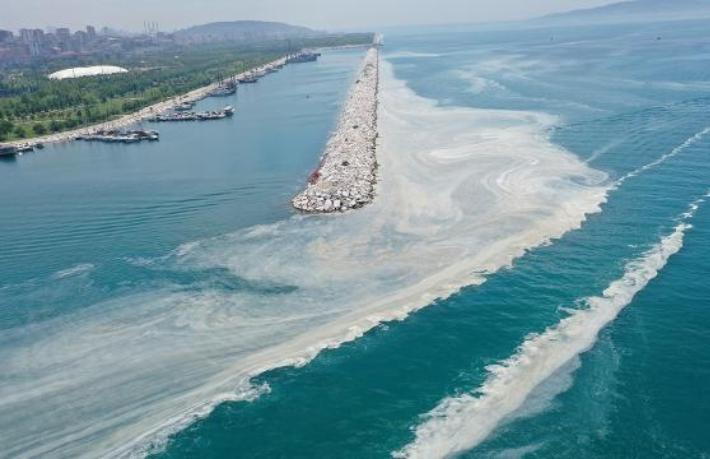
x: 346, y: 176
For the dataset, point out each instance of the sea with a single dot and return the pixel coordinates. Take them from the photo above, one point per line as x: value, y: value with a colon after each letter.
x: 531, y: 279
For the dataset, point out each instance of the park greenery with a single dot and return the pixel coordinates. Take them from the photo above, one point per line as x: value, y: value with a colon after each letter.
x: 32, y: 105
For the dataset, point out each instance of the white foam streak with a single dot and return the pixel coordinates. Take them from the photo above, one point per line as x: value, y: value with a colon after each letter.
x: 462, y: 422
x: 149, y: 443
x: 692, y: 140
x: 602, y: 151
x: 77, y: 270
x: 409, y: 55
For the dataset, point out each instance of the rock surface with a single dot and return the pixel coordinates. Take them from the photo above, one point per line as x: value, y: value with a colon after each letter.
x: 346, y: 176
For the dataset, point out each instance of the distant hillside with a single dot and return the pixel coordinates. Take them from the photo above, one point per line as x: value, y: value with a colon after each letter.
x: 247, y: 31
x: 633, y: 11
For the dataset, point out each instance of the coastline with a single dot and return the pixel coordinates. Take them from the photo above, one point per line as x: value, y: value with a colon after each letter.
x: 138, y: 116
x: 346, y: 176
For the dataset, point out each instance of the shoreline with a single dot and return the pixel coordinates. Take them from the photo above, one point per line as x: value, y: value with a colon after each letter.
x: 136, y: 117
x: 347, y: 173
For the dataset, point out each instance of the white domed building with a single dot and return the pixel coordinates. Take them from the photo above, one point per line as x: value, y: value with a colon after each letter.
x: 78, y: 72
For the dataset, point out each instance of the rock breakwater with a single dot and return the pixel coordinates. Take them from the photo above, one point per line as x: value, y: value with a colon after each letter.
x: 346, y: 176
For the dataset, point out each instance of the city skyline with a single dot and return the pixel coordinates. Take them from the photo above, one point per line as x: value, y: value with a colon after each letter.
x: 36, y: 46
x: 29, y: 45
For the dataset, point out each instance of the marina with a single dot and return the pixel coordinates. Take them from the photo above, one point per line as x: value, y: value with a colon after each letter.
x: 182, y: 103
x: 175, y: 109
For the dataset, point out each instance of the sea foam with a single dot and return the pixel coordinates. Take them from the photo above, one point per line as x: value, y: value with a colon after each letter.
x: 463, y: 192
x: 461, y: 422
x: 690, y: 141
x: 81, y: 268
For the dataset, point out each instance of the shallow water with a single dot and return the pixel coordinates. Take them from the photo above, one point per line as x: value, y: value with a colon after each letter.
x: 494, y: 144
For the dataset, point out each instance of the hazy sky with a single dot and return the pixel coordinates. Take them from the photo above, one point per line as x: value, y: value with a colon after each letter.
x: 322, y: 14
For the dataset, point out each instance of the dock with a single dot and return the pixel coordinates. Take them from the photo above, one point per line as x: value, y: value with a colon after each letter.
x: 145, y: 113
x: 114, y: 131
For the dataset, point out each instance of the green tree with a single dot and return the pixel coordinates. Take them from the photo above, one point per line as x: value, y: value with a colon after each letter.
x: 6, y: 127
x: 55, y: 126
x: 39, y: 129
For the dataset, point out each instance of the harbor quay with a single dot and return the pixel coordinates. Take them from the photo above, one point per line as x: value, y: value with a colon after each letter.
x: 145, y: 114
x: 173, y: 109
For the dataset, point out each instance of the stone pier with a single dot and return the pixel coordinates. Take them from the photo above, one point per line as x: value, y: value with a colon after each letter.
x: 346, y: 176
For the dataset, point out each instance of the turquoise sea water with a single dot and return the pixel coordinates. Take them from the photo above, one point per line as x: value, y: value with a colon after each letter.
x: 100, y: 206
x: 632, y: 101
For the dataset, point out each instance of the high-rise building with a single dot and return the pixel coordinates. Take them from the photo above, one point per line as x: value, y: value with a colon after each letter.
x: 63, y: 33
x: 6, y: 36
x: 91, y: 32
x: 25, y: 35
x: 34, y: 39
x: 64, y: 38
x: 80, y: 41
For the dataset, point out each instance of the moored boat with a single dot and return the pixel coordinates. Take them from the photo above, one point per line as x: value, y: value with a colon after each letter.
x: 184, y: 107
x: 303, y: 56
x: 117, y: 136
x: 248, y: 79
x: 195, y: 116
x: 8, y: 150
x: 25, y: 147
x: 225, y: 88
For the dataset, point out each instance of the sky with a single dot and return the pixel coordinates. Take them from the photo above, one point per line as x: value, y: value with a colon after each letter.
x: 320, y: 14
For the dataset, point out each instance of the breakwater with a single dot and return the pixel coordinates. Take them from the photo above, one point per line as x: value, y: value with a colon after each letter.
x: 346, y: 176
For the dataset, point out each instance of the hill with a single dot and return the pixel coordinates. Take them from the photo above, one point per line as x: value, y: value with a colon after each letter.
x: 246, y: 31
x: 633, y: 11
